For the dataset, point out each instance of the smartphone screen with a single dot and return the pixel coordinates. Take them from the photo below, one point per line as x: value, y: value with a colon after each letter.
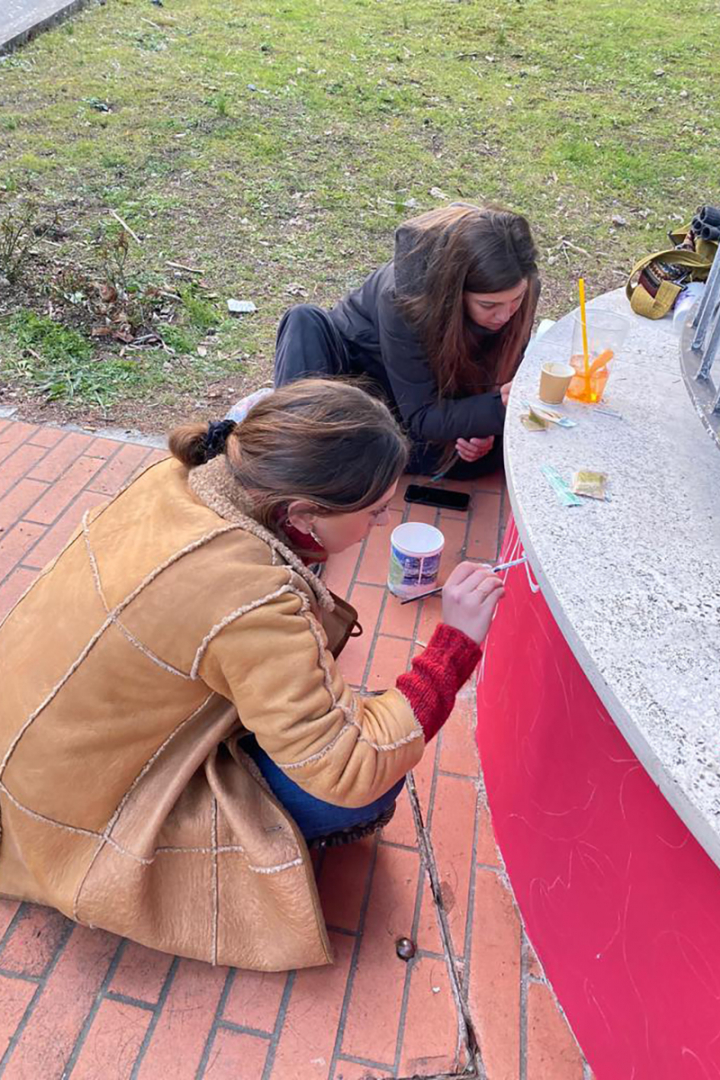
x: 437, y: 496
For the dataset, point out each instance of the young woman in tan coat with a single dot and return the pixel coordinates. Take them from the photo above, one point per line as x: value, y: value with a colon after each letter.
x: 173, y: 728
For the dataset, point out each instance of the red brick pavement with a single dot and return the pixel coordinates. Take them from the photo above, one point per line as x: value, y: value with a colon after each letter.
x: 83, y: 1004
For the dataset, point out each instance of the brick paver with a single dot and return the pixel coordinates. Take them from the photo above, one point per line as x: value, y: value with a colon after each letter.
x: 82, y: 1004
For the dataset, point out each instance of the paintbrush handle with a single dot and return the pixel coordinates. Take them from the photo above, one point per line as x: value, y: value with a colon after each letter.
x: 421, y: 596
x: 434, y: 592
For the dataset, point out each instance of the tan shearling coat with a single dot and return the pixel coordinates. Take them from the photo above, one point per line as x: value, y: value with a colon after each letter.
x: 171, y: 623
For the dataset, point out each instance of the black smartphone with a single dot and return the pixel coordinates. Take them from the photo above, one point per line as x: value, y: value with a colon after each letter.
x: 437, y: 496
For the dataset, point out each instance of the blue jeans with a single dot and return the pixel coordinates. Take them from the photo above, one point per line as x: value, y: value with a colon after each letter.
x: 313, y: 817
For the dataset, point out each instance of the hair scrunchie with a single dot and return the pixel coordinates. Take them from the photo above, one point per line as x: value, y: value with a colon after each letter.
x: 217, y: 435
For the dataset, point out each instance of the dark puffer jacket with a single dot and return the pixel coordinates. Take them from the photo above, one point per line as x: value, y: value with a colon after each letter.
x: 382, y: 344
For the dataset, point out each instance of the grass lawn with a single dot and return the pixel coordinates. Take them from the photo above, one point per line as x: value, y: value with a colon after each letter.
x: 274, y: 146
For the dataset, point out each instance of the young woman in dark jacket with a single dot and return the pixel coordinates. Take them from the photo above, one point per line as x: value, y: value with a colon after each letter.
x: 440, y: 329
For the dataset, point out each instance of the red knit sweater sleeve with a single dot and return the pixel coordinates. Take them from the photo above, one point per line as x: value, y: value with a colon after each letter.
x: 437, y: 674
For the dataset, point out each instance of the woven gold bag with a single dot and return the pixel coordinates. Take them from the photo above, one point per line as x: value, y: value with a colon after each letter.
x: 656, y: 281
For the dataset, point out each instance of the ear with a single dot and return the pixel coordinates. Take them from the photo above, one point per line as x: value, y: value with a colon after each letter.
x: 301, y: 515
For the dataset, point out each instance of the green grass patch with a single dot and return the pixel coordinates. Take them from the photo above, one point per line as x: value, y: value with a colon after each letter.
x: 53, y: 341
x: 57, y: 363
x: 276, y: 147
x: 179, y: 338
x: 202, y: 314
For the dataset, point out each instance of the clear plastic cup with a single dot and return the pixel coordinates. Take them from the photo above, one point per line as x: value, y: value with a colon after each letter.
x: 606, y: 333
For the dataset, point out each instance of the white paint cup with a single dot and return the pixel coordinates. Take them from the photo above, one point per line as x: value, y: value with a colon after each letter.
x: 415, y: 553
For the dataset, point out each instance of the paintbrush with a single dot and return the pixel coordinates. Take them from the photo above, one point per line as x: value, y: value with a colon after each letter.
x: 434, y: 592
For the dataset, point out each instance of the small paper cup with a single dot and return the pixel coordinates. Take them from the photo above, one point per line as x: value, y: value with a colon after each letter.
x: 554, y: 381
x: 415, y: 553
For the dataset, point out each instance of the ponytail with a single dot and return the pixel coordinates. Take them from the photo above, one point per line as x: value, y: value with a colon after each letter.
x: 324, y: 441
x: 194, y: 444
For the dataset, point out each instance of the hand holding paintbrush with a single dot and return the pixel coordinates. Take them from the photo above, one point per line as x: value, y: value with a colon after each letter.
x: 488, y: 570
x: 470, y: 596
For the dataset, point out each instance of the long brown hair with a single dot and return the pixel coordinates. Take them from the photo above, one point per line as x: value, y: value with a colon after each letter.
x: 462, y: 249
x: 324, y: 441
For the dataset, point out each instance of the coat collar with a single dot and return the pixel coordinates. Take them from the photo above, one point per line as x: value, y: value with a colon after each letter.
x: 214, y: 486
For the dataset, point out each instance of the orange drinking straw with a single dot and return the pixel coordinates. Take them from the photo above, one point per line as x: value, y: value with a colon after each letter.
x: 583, y: 323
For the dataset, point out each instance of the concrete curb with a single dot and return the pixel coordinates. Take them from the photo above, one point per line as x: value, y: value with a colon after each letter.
x: 23, y: 19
